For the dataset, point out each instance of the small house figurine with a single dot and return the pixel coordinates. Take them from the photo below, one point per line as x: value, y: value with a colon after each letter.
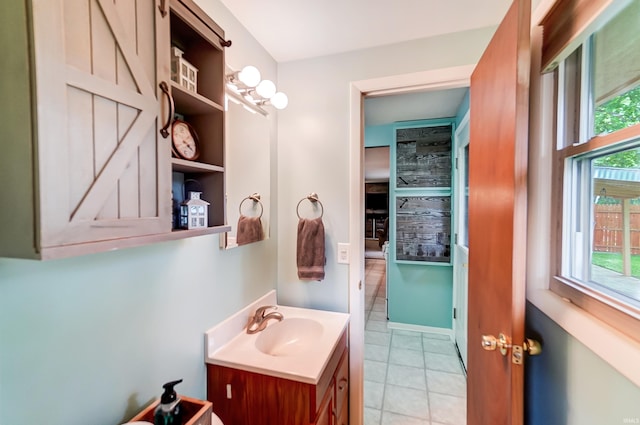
x: 182, y: 72
x: 194, y: 212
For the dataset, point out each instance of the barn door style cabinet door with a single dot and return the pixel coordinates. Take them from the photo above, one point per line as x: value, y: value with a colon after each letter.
x: 88, y: 169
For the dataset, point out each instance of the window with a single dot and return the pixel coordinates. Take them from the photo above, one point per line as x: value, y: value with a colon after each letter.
x: 598, y: 148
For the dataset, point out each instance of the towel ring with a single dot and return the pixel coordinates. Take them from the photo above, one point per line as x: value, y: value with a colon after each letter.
x: 255, y: 198
x: 313, y: 198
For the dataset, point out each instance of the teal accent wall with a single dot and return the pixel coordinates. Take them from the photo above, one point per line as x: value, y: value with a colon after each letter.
x: 378, y: 135
x: 419, y: 294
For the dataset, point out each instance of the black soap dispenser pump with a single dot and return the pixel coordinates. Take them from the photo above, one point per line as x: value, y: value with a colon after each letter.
x: 169, y: 411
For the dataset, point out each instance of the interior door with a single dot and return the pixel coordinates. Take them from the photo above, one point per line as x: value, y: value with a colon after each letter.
x: 461, y: 257
x: 497, y: 221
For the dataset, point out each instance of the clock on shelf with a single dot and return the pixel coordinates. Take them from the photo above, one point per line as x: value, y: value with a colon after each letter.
x: 184, y: 140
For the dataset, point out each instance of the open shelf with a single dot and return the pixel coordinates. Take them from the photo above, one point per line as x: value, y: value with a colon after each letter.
x: 202, y: 106
x: 184, y: 166
x: 190, y: 103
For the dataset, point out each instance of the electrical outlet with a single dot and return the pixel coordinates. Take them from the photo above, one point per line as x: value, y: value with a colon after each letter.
x: 343, y: 253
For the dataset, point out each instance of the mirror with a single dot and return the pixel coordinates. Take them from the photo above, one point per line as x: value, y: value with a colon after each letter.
x: 247, y: 172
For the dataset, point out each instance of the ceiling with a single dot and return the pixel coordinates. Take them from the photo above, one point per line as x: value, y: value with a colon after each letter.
x: 297, y: 29
x: 413, y: 106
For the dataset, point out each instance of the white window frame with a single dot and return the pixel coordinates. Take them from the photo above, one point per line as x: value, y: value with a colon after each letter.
x: 615, y: 347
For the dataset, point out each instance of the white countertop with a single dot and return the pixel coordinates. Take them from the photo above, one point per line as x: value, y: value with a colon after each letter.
x: 228, y: 344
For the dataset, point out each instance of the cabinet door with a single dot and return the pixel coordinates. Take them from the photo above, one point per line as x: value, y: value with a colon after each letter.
x: 342, y: 385
x: 103, y: 170
x: 326, y: 414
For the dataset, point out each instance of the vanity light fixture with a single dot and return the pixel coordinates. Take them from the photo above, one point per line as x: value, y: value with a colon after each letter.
x: 278, y: 101
x: 247, y: 77
x: 266, y: 89
x: 247, y: 87
x: 252, y: 110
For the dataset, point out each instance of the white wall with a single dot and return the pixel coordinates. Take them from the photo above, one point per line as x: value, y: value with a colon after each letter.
x: 91, y: 340
x: 313, y: 145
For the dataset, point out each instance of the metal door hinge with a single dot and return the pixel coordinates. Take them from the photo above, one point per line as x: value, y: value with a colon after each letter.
x: 455, y: 311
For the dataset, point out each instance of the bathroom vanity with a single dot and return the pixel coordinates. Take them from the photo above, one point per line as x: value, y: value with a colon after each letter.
x: 295, y: 372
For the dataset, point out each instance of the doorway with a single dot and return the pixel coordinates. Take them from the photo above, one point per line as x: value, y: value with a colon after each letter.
x: 410, y: 376
x: 376, y: 201
x: 439, y: 79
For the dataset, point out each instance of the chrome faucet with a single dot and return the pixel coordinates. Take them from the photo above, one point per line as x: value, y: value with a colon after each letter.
x: 259, y: 320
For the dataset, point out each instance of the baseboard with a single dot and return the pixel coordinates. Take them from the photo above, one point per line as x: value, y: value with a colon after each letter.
x: 420, y: 328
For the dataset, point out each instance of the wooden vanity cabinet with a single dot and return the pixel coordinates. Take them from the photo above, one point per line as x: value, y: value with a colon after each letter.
x: 246, y: 398
x: 84, y: 167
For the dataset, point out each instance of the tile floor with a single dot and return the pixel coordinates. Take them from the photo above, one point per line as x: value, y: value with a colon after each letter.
x: 410, y: 378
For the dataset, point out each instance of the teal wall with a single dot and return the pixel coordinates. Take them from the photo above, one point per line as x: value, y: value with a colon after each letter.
x: 91, y: 340
x: 569, y: 384
x: 419, y: 294
x: 378, y: 135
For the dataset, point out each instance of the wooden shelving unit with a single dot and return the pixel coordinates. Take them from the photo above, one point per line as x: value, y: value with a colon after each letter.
x: 199, y: 38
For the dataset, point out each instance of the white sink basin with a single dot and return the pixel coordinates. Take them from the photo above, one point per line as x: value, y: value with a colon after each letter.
x: 289, y: 337
x: 295, y: 348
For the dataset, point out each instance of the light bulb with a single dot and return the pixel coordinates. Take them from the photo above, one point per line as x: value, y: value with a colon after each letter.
x: 266, y: 89
x: 250, y: 76
x: 279, y: 100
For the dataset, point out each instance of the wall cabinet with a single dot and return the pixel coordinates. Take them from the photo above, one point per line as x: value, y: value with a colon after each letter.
x: 88, y: 169
x: 246, y: 398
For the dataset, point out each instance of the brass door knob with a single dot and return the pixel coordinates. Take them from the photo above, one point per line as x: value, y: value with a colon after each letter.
x: 503, y: 343
x: 490, y: 343
x: 532, y: 347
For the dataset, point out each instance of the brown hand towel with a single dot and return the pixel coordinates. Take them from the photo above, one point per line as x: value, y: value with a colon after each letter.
x: 310, y: 249
x: 249, y: 230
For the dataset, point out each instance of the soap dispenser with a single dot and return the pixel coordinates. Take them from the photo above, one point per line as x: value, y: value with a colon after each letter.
x: 169, y: 411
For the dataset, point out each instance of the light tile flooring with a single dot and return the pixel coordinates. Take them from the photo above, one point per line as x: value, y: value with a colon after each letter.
x: 410, y: 378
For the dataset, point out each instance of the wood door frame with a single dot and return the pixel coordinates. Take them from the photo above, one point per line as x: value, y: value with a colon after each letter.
x: 432, y: 80
x: 458, y: 194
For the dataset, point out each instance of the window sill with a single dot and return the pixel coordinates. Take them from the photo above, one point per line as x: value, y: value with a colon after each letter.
x: 617, y: 349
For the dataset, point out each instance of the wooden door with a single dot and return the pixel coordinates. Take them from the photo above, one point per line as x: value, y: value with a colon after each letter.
x: 103, y: 170
x: 497, y: 219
